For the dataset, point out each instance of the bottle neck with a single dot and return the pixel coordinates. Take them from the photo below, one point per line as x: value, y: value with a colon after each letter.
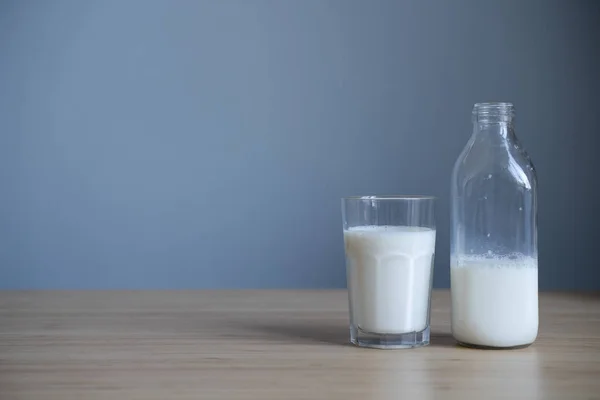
x: 498, y: 129
x: 493, y: 120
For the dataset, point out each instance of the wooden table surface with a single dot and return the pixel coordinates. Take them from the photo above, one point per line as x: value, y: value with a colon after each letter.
x: 272, y: 345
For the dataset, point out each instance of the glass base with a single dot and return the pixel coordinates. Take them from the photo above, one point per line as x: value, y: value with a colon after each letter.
x: 482, y: 347
x: 389, y: 340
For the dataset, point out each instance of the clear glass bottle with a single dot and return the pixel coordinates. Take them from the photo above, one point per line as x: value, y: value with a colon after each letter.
x: 494, y: 274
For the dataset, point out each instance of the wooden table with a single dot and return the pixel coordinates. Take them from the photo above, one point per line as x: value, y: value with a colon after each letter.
x: 272, y: 345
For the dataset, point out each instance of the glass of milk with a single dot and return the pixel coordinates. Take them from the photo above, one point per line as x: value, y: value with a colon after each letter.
x: 390, y: 248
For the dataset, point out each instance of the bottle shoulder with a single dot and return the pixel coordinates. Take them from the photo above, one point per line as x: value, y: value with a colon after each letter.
x: 505, y: 162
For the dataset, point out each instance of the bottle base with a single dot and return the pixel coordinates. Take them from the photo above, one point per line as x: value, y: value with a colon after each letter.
x: 390, y: 341
x: 483, y: 347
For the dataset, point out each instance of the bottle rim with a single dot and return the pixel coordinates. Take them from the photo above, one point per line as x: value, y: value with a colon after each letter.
x: 502, y: 111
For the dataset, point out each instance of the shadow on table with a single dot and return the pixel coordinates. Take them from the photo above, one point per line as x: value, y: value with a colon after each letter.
x: 335, y: 332
x: 442, y: 340
x: 301, y: 331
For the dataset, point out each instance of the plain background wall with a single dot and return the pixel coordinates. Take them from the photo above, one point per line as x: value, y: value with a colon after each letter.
x: 206, y: 144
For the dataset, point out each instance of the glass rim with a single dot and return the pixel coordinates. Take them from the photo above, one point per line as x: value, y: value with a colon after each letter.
x: 413, y: 197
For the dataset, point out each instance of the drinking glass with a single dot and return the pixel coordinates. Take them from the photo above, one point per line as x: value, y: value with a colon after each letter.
x: 390, y: 247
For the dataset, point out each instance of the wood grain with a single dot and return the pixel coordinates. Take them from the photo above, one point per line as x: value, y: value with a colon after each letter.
x: 272, y: 345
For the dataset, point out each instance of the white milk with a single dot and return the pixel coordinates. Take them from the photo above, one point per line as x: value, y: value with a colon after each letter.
x: 389, y: 277
x: 494, y: 300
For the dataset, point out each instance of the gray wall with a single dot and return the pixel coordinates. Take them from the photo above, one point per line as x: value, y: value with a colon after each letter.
x: 195, y: 144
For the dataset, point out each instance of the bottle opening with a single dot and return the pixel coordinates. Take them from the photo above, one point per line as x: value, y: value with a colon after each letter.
x: 493, y: 112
